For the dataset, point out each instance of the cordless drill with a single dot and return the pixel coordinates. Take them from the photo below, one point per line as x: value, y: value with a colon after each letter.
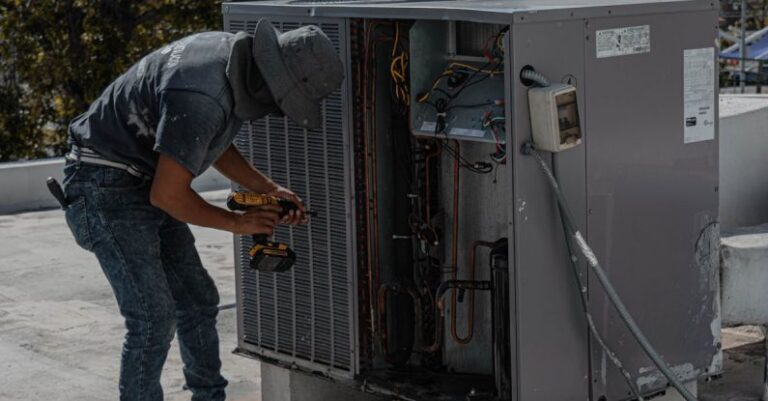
x: 266, y: 256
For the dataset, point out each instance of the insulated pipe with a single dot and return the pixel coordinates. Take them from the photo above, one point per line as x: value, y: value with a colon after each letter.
x: 502, y: 354
x: 594, y: 264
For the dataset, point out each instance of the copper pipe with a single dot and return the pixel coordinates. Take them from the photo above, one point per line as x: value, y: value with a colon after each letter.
x: 440, y: 306
x: 471, y: 307
x: 455, y: 232
x: 382, y: 302
x: 428, y: 195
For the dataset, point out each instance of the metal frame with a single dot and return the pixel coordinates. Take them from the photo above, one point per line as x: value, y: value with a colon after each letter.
x: 248, y: 349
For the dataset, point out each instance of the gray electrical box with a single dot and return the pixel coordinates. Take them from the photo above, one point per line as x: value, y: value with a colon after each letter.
x: 417, y: 181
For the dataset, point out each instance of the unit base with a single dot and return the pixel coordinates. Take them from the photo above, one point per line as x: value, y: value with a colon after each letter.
x: 281, y: 384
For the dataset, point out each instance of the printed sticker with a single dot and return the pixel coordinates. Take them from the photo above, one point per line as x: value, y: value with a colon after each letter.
x: 623, y: 41
x: 698, y: 94
x: 428, y: 126
x: 475, y: 133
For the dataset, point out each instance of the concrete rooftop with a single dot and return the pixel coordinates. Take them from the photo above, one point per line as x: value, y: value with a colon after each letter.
x: 60, y: 332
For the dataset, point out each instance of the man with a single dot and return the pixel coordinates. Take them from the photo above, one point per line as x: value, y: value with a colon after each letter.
x: 127, y: 182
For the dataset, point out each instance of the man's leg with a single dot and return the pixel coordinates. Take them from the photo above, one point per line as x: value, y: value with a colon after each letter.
x: 197, y: 301
x: 123, y: 231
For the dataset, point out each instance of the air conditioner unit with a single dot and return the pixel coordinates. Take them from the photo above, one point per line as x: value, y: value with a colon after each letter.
x: 419, y: 187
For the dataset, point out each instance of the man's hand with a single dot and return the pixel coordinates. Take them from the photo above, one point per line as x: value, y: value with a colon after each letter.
x: 257, y: 220
x: 233, y: 166
x: 293, y: 217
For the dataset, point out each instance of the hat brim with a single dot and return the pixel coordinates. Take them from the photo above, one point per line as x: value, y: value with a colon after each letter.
x: 291, y: 100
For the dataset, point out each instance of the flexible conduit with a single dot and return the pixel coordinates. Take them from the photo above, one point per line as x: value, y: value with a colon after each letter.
x: 594, y: 264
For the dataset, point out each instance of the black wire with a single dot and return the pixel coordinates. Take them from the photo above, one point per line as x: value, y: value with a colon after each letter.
x: 470, y: 106
x: 474, y: 167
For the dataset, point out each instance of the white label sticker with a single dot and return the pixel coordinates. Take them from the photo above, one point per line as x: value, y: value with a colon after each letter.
x: 623, y: 41
x: 475, y: 133
x: 699, y: 94
x: 428, y: 126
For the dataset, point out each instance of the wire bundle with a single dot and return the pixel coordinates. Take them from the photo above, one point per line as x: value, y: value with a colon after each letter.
x: 398, y: 71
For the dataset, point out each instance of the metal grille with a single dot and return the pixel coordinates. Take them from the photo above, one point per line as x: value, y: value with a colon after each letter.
x: 305, y: 315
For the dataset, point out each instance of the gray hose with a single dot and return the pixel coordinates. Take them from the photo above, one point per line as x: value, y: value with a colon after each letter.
x: 529, y: 149
x: 531, y: 75
x: 585, y: 306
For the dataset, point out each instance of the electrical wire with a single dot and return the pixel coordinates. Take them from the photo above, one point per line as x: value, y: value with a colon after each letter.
x: 594, y: 264
x: 573, y: 259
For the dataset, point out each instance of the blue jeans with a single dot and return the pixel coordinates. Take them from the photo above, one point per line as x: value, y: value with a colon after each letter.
x: 160, y: 284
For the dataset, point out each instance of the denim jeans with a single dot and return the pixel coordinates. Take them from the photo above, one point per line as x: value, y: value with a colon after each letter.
x: 154, y: 270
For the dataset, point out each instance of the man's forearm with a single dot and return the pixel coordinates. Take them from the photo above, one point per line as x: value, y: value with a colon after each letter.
x: 233, y: 166
x: 189, y: 207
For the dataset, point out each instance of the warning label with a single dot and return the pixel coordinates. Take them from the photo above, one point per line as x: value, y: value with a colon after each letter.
x: 699, y: 94
x: 623, y: 41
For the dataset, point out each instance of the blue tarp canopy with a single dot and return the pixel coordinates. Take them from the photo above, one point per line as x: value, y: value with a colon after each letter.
x: 757, y: 50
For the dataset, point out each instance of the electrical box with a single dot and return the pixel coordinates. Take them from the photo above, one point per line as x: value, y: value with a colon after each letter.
x: 457, y: 85
x: 436, y: 267
x: 554, y: 117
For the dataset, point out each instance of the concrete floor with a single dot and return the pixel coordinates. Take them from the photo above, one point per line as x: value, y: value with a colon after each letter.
x: 60, y: 332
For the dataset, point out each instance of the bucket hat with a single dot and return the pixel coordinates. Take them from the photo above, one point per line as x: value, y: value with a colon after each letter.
x: 300, y: 67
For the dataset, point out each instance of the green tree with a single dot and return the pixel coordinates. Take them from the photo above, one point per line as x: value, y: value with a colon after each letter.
x: 56, y: 56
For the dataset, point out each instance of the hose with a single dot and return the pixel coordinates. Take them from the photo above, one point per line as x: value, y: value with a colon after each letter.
x: 585, y: 306
x: 594, y: 264
x: 531, y: 75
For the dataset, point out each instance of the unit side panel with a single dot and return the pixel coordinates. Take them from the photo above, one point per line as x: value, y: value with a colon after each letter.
x: 304, y: 316
x: 653, y: 201
x: 549, y: 326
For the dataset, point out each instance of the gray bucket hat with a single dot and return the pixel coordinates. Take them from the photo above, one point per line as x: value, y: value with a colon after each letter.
x: 300, y: 67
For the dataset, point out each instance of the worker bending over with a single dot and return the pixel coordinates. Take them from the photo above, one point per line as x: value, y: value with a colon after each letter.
x: 127, y: 182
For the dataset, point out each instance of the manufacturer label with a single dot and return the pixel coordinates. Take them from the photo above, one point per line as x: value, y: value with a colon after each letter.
x: 474, y: 133
x: 428, y: 126
x: 623, y: 41
x: 698, y: 94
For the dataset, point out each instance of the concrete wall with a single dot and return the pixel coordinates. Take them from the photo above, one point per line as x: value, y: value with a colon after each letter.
x: 743, y: 160
x: 22, y: 184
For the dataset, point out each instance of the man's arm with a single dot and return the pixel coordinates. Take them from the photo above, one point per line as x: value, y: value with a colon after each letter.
x: 171, y: 192
x: 233, y: 166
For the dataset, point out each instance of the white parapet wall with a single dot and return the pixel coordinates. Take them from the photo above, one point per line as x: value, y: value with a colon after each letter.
x: 743, y: 160
x: 22, y: 184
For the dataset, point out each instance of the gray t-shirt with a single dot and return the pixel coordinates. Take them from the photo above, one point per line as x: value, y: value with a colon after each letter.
x: 176, y: 101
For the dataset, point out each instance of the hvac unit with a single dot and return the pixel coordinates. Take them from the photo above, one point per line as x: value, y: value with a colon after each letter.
x: 436, y: 266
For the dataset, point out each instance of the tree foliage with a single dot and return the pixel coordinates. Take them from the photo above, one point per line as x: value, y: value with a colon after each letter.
x: 56, y: 56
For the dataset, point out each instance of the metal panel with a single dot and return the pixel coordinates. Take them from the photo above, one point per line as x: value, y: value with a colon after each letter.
x: 305, y: 316
x: 652, y: 202
x: 496, y: 11
x: 549, y: 333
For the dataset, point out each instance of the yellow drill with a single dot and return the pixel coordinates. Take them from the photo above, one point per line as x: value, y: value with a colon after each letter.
x: 266, y: 255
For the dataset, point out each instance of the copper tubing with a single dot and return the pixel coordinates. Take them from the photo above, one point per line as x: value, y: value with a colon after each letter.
x: 428, y: 195
x: 471, y: 307
x: 383, y: 292
x: 455, y: 238
x: 440, y: 306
